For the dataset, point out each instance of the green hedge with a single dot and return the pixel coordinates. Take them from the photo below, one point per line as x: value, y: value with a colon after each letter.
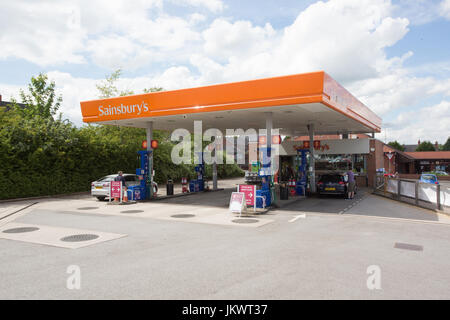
x: 47, y: 157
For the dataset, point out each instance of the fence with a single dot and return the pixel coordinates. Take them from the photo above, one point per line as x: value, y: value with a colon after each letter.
x: 430, y: 196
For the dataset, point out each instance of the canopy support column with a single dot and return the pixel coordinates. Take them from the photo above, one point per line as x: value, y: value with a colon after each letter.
x: 149, y: 131
x: 312, y: 179
x: 269, y: 126
x: 214, y: 174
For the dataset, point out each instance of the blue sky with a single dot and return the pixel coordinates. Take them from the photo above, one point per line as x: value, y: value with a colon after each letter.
x: 393, y: 55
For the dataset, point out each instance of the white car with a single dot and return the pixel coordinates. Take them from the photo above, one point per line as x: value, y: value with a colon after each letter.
x: 100, y: 188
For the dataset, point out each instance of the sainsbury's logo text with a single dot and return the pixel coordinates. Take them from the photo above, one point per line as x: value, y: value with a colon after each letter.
x: 135, y: 109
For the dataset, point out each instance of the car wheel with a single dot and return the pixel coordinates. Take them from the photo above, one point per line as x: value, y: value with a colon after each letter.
x: 101, y: 198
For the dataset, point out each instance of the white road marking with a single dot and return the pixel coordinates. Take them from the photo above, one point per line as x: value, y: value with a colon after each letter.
x: 302, y: 216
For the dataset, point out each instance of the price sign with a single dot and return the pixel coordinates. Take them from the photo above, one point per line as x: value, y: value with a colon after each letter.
x: 116, y: 189
x: 237, y: 202
x: 249, y: 191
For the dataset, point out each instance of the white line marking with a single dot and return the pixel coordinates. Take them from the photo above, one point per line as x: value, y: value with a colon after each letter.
x: 303, y: 216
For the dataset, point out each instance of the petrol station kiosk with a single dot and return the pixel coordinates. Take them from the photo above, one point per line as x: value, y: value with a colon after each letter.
x: 296, y: 105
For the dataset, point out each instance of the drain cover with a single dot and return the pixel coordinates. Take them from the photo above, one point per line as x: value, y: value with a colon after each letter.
x: 87, y: 208
x: 21, y: 230
x: 407, y: 246
x: 183, y: 216
x: 132, y: 211
x: 79, y: 237
x: 245, y: 221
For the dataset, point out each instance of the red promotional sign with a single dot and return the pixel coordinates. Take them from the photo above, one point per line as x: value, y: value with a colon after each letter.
x: 144, y: 144
x: 276, y: 139
x: 250, y: 193
x: 317, y: 144
x: 306, y: 145
x: 262, y: 140
x: 116, y: 189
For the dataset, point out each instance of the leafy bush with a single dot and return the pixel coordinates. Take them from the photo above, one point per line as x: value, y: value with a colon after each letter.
x: 41, y: 156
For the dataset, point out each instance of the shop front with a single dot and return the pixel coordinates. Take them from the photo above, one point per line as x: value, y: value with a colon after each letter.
x: 338, y: 155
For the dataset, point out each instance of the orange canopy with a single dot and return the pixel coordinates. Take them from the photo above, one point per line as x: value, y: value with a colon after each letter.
x: 294, y: 101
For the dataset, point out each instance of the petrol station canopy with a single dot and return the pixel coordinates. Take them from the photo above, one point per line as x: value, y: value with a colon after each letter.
x: 294, y: 102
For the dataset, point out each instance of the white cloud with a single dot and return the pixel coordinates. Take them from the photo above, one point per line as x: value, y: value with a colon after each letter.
x: 212, y: 5
x: 445, y: 9
x: 350, y: 45
x: 52, y: 33
x: 224, y: 40
x: 392, y: 91
x: 431, y: 123
x: 117, y: 51
x: 418, y: 12
x: 44, y: 32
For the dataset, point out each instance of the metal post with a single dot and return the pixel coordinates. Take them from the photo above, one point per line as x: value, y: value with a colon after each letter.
x: 398, y: 188
x: 416, y: 193
x: 438, y: 197
x: 149, y: 130
x: 312, y: 181
x: 214, y: 175
x: 269, y: 125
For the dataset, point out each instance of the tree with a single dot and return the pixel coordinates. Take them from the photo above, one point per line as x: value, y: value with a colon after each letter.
x: 41, y: 99
x: 396, y: 145
x: 426, y: 146
x: 446, y: 146
x: 108, y: 88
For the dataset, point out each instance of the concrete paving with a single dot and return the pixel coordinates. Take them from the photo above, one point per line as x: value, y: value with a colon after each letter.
x: 318, y: 248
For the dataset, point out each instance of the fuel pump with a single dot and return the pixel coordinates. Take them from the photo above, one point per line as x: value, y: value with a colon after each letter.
x: 266, y: 177
x: 143, y: 191
x: 198, y: 184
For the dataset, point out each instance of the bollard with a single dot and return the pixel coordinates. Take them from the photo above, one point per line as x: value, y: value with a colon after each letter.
x: 169, y: 187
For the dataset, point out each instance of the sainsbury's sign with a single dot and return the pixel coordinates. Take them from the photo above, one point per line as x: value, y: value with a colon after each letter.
x: 132, y: 109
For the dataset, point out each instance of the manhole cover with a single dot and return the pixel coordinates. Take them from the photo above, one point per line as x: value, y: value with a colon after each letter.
x: 407, y: 246
x: 21, y: 230
x: 245, y: 221
x: 132, y: 211
x: 87, y: 208
x: 183, y: 216
x: 79, y: 237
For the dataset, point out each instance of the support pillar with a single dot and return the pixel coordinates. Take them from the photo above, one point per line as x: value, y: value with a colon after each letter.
x: 312, y: 172
x: 214, y: 174
x: 149, y: 131
x: 269, y: 126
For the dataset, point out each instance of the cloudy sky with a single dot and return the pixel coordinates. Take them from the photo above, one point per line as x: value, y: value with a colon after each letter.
x: 393, y: 55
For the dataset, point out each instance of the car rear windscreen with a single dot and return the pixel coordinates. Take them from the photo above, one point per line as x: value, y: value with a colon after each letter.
x: 331, y: 178
x: 107, y: 179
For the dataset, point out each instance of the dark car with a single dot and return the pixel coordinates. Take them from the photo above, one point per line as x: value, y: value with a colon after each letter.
x: 332, y: 183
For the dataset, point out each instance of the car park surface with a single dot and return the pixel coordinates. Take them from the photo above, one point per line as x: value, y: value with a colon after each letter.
x: 313, y: 248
